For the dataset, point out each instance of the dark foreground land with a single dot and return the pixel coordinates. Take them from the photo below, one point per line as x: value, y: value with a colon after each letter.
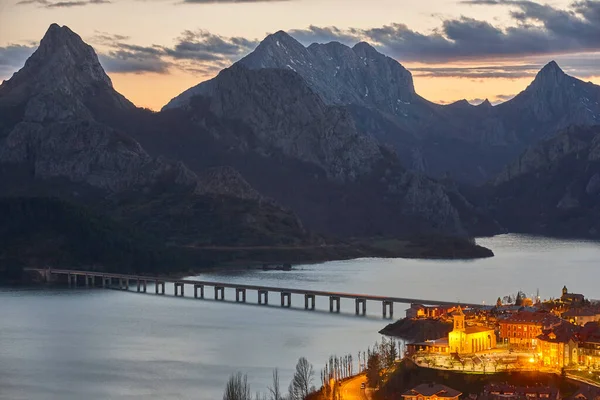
x: 409, y: 375
x: 417, y: 330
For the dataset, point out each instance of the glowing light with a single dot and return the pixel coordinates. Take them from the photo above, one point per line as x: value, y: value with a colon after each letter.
x: 532, y: 360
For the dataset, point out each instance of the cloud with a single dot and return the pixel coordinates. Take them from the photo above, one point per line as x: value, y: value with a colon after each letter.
x: 202, y: 45
x: 62, y: 4
x: 13, y: 57
x: 538, y: 30
x: 194, y: 51
x: 481, y: 72
x: 230, y: 1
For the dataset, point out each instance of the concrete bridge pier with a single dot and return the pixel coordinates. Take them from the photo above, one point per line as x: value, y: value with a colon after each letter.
x: 89, y: 281
x: 160, y: 284
x: 219, y: 293
x: 179, y: 288
x: 106, y: 282
x: 201, y: 287
x: 123, y: 284
x: 360, y: 302
x: 385, y: 305
x: 309, y: 298
x: 72, y: 279
x: 335, y: 299
x: 264, y: 293
x: 286, y: 299
x: 141, y: 286
x: 238, y: 292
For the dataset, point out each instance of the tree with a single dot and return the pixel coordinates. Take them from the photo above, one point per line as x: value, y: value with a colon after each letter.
x: 373, y: 368
x: 499, y: 302
x: 300, y: 386
x: 519, y: 299
x: 275, y: 390
x: 237, y: 388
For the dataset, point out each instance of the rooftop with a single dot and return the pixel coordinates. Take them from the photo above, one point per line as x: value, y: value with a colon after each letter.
x: 477, y: 329
x: 430, y: 389
x: 535, y: 318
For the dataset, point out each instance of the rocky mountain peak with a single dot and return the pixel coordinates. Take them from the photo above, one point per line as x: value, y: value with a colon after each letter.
x: 550, y: 76
x: 364, y: 48
x: 485, y: 104
x: 61, y: 79
x: 62, y: 61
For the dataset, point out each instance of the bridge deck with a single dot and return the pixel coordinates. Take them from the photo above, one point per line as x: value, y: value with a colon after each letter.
x: 404, y: 300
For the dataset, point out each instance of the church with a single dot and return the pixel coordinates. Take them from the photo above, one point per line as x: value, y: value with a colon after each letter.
x: 469, y: 339
x: 462, y: 340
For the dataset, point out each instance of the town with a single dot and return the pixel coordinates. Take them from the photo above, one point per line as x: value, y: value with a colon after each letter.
x: 516, y: 336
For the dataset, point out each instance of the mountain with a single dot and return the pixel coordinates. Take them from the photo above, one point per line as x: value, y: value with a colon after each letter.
x: 199, y: 185
x: 553, y: 188
x: 468, y: 143
x: 54, y: 143
x: 289, y: 144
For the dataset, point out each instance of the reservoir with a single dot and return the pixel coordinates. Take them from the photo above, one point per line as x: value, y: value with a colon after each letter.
x: 108, y: 344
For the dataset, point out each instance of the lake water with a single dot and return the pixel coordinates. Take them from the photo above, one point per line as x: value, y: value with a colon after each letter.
x: 107, y: 344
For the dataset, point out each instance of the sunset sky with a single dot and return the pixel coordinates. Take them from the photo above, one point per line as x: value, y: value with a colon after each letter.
x: 473, y: 49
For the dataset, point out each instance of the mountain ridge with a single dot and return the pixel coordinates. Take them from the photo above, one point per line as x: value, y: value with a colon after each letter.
x: 379, y: 93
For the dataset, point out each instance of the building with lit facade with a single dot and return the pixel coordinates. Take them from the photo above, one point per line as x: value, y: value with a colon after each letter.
x: 469, y: 339
x: 571, y: 298
x: 582, y: 316
x: 431, y: 391
x: 589, y: 345
x: 559, y: 347
x: 522, y: 329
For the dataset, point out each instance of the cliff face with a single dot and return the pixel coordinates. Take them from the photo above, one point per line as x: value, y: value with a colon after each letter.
x: 553, y: 188
x: 287, y: 117
x: 53, y: 133
x: 468, y: 143
x: 339, y: 180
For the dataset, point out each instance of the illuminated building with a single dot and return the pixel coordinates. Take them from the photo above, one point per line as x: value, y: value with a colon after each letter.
x: 432, y: 391
x: 589, y: 345
x: 469, y: 339
x: 522, y: 329
x: 558, y: 347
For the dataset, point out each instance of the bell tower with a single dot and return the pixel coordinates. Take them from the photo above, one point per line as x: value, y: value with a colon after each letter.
x: 459, y: 320
x: 565, y: 291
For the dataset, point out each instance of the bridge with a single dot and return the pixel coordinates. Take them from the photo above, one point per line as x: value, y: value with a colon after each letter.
x: 93, y: 279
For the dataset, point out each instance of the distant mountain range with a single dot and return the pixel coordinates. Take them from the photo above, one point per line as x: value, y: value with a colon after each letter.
x: 461, y: 141
x: 291, y: 146
x: 232, y: 170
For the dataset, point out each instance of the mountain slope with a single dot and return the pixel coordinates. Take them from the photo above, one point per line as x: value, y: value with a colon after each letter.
x: 54, y: 142
x: 553, y: 188
x: 292, y: 146
x: 468, y: 143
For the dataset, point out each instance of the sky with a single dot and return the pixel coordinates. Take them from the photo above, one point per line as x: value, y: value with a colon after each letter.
x: 456, y: 49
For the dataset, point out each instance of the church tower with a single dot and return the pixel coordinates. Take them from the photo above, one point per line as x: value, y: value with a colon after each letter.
x: 459, y: 320
x: 565, y: 291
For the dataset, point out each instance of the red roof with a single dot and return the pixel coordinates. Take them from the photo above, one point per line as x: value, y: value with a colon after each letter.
x: 532, y: 318
x: 430, y: 389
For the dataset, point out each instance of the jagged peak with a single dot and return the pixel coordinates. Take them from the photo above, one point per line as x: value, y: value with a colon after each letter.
x: 550, y: 75
x: 283, y: 38
x: 365, y: 47
x: 485, y: 103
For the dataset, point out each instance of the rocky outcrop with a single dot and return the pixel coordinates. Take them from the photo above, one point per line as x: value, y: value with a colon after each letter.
x: 553, y: 188
x: 287, y: 117
x: 88, y: 152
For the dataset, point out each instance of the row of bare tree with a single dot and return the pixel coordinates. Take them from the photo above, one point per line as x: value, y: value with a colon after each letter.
x: 300, y: 387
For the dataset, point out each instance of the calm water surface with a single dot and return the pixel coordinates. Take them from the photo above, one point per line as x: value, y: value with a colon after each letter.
x: 103, y: 344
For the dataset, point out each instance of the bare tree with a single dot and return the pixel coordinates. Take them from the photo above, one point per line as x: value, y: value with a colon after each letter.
x: 237, y: 388
x: 275, y: 389
x: 301, y: 384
